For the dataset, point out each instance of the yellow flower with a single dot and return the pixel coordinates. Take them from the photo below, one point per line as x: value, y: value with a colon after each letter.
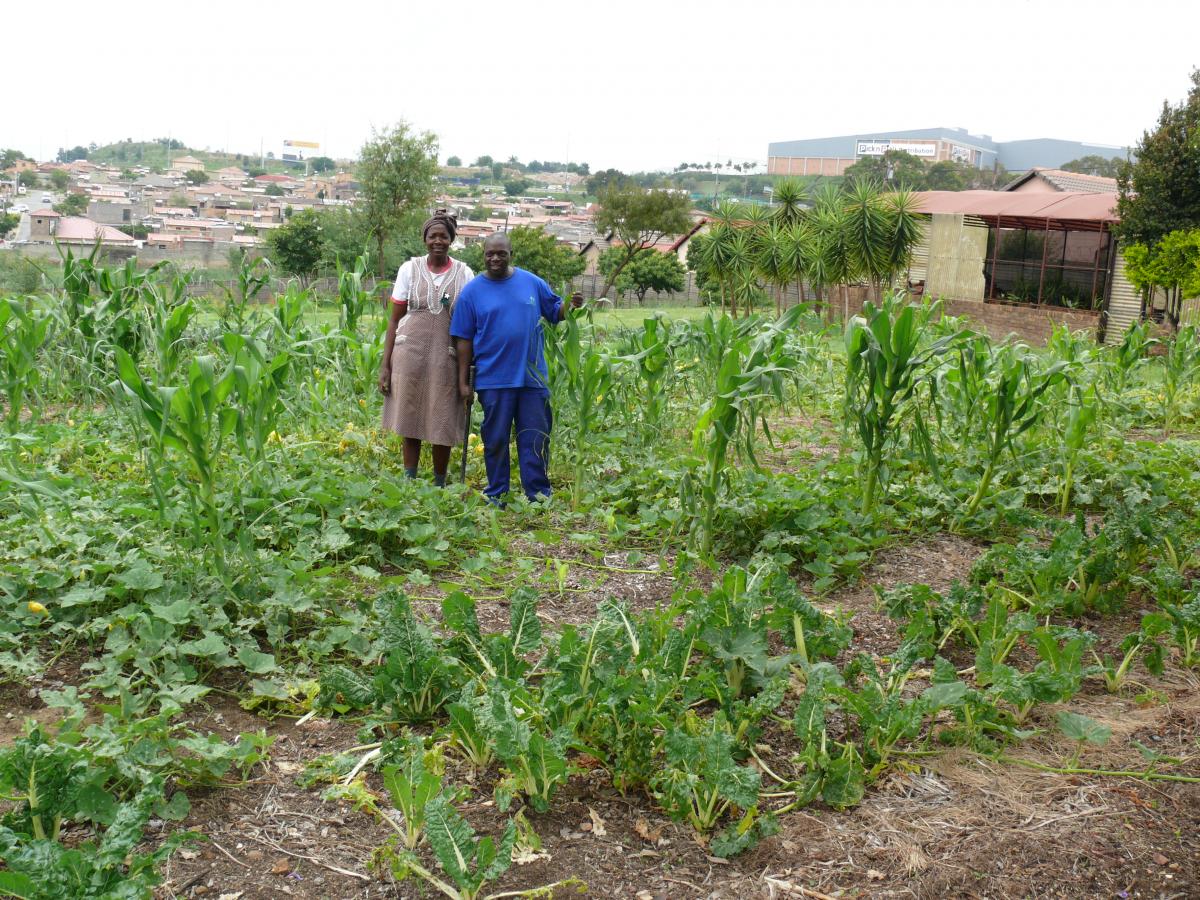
x: 479, y: 449
x: 317, y: 372
x: 36, y: 608
x: 273, y: 438
x: 70, y: 423
x: 599, y: 398
x: 362, y: 403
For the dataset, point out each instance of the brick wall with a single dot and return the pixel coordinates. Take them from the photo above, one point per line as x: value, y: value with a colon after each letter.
x: 1027, y: 322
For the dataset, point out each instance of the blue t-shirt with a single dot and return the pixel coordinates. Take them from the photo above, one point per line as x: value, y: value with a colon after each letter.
x: 503, y: 319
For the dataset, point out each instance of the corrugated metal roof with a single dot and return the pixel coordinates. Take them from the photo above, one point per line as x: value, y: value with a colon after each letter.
x: 991, y: 206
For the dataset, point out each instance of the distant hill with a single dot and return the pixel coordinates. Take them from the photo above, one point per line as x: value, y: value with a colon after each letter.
x: 153, y: 154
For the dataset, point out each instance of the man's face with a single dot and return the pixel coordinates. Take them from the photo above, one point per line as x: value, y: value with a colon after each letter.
x: 497, y: 254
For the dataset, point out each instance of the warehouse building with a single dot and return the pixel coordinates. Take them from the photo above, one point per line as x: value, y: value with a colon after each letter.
x: 831, y: 155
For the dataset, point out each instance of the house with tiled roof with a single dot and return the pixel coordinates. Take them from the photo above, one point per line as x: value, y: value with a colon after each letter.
x: 230, y: 175
x: 1057, y: 180
x: 186, y: 164
x: 45, y: 226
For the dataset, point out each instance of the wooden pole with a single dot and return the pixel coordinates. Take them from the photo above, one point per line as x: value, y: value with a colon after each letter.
x: 1045, y: 243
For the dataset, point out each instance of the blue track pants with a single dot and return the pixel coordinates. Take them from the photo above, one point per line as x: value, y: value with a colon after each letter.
x: 528, y: 411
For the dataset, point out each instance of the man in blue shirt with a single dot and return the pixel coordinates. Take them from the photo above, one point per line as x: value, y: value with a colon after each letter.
x: 497, y: 323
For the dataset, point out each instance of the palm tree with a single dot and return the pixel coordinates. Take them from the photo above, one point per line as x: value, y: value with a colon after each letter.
x: 789, y: 200
x: 831, y: 260
x: 722, y: 250
x: 774, y: 259
x: 905, y: 231
x: 869, y: 230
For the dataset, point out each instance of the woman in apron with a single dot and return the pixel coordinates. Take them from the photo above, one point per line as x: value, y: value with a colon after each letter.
x: 418, y: 376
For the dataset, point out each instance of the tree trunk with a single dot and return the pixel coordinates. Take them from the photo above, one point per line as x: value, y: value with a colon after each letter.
x: 379, y: 244
x: 612, y: 278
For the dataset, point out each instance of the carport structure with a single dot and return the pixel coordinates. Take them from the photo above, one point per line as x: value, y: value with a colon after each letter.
x: 1045, y: 248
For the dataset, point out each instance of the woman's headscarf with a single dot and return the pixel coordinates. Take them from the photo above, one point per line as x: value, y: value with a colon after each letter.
x: 446, y: 219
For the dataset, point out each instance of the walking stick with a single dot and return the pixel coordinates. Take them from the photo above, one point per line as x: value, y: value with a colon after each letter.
x: 467, y: 429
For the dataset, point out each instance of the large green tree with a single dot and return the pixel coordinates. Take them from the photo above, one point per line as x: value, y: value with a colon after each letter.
x: 905, y: 170
x: 601, y: 181
x: 10, y: 157
x: 1094, y: 164
x: 947, y: 175
x: 638, y: 219
x: 1160, y: 193
x: 298, y: 246
x: 535, y: 251
x: 72, y: 205
x: 59, y: 179
x: 662, y: 273
x: 396, y: 171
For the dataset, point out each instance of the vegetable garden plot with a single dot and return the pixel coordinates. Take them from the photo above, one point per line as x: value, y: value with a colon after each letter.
x: 702, y: 670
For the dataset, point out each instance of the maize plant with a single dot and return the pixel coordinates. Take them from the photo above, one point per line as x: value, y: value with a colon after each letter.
x: 1010, y: 407
x: 1180, y: 366
x: 352, y: 298
x: 122, y: 293
x: 167, y: 320
x: 192, y: 420
x: 884, y: 366
x: 753, y: 370
x: 1128, y: 355
x: 260, y: 381
x: 583, y: 374
x: 253, y: 275
x: 652, y: 355
x: 1081, y: 416
x: 24, y: 331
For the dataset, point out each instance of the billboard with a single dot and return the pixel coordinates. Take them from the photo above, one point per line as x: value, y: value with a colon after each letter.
x: 293, y: 151
x: 961, y: 154
x: 926, y: 149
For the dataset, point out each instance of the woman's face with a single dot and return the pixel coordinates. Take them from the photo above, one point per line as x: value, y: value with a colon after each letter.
x: 437, y: 240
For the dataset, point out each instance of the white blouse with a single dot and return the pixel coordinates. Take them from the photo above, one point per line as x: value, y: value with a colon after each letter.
x: 402, y: 289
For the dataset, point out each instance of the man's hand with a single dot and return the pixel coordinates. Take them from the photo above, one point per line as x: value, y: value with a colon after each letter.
x: 385, y: 381
x: 577, y: 300
x: 464, y: 392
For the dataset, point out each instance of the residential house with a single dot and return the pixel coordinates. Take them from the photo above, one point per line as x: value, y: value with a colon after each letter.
x: 253, y: 217
x: 117, y: 211
x: 186, y: 164
x: 162, y: 182
x: 1047, y: 181
x: 160, y: 241
x: 46, y: 226
x: 196, y: 228
x: 42, y: 225
x: 285, y: 182
x: 230, y: 175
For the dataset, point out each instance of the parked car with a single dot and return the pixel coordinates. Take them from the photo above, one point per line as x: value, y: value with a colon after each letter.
x: 19, y: 208
x: 47, y: 199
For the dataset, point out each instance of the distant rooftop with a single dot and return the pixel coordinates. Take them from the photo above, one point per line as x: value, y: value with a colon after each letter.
x: 1067, y: 181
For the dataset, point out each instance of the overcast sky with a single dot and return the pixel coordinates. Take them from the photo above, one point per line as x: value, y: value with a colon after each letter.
x: 632, y: 85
